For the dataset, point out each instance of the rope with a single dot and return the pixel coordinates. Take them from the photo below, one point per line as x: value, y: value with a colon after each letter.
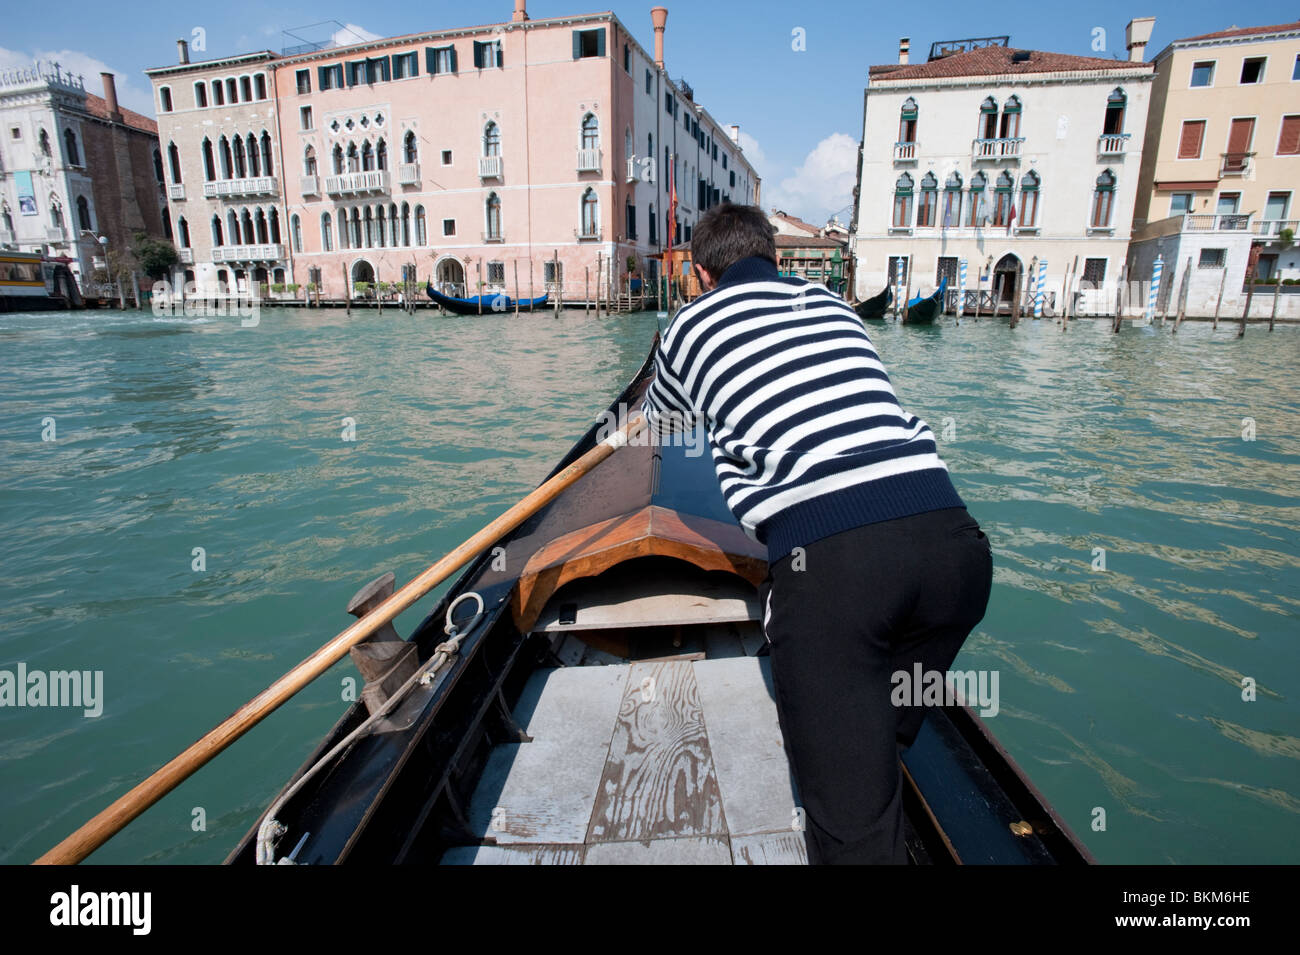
x: 271, y: 828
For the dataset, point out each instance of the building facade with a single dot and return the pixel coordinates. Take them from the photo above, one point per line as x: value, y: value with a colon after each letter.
x: 519, y: 155
x: 1220, y: 173
x: 1003, y: 158
x: 75, y: 168
x: 809, y: 252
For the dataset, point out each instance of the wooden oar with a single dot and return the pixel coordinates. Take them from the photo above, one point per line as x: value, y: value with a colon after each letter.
x: 114, y: 818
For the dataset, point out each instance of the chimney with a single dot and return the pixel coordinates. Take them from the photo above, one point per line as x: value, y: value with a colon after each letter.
x: 659, y: 16
x: 110, y: 97
x: 904, y: 46
x: 735, y: 135
x: 182, y: 52
x: 521, y: 12
x: 1138, y: 34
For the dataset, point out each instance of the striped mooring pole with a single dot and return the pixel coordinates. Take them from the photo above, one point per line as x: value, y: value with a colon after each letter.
x: 1039, y: 296
x: 898, y: 286
x: 1156, y: 270
x: 961, y: 296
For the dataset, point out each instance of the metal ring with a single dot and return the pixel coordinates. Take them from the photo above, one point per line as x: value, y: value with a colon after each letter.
x: 451, y: 629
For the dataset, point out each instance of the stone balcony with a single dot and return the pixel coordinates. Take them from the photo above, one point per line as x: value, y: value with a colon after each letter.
x: 176, y: 191
x: 408, y: 174
x: 489, y: 167
x: 357, y: 183
x: 589, y: 160
x: 997, y: 150
x: 309, y: 185
x: 230, y: 188
x: 1112, y: 144
x: 248, y: 253
x: 905, y: 152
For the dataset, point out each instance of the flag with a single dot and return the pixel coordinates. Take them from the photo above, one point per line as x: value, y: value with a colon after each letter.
x: 1011, y: 216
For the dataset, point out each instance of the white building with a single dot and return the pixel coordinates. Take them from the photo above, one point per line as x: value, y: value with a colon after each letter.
x: 1001, y: 157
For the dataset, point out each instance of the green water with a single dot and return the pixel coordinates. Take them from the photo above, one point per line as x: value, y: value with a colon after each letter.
x: 1120, y: 688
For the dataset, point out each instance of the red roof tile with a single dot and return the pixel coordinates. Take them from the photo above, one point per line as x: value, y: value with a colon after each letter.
x: 98, y: 106
x: 1242, y: 31
x: 806, y: 242
x: 995, y: 61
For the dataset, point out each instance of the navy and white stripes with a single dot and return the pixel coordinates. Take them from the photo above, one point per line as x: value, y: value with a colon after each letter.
x: 807, y: 435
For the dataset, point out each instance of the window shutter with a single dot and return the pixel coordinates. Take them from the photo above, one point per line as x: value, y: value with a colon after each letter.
x: 577, y: 44
x: 320, y: 77
x: 600, y: 43
x: 430, y: 61
x: 478, y: 55
x: 1288, y: 143
x: 453, y: 59
x: 1189, y: 145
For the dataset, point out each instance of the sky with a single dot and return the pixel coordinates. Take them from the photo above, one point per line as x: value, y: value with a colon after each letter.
x: 791, y: 75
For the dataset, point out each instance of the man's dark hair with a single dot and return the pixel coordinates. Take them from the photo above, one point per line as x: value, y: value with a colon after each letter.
x: 728, y: 233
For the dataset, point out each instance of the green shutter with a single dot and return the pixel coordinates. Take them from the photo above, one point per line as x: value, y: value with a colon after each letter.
x: 600, y: 43
x: 430, y: 60
x: 321, y: 73
x: 453, y: 59
x: 577, y: 44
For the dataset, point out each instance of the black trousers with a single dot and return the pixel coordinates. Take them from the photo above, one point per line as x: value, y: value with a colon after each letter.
x: 840, y: 619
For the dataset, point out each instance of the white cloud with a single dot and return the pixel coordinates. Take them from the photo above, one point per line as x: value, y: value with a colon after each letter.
x: 132, y: 90
x: 351, y: 33
x: 754, y: 154
x: 820, y: 186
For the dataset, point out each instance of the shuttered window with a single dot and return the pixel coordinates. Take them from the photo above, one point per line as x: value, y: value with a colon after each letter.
x: 1288, y: 144
x: 1189, y: 144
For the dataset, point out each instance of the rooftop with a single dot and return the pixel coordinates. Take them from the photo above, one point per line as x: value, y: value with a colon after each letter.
x: 998, y: 61
x: 97, y: 106
x: 1242, y: 31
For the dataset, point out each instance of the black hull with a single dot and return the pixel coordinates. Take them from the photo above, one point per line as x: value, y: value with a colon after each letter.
x: 874, y: 308
x: 460, y: 306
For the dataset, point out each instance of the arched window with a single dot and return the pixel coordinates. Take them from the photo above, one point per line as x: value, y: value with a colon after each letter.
x: 381, y: 155
x: 223, y: 149
x: 394, y: 227
x: 326, y: 232
x: 367, y: 157
x: 1011, y: 119
x: 56, y: 212
x: 355, y: 238
x: 232, y: 91
x: 70, y: 147
x: 259, y: 84
x: 354, y: 158
x: 989, y: 118
x: 381, y: 227
x: 83, y: 214
x: 309, y: 161
x: 268, y: 169
x: 590, y: 132
x: 370, y: 228
x: 902, y: 202
x: 183, y: 232
x: 165, y: 97
x: 217, y: 239
x: 241, y: 161
x: 1103, y: 200
x: 157, y: 167
x: 978, y: 204
x: 406, y: 223
x: 907, y: 122
x: 218, y: 97
x: 274, y: 222
x: 254, y: 161
x: 44, y: 139
x: 493, y: 217
x: 421, y: 236
x: 338, y: 160
x: 491, y: 140
x: 174, y: 160
x: 928, y: 205
x: 1003, y: 199
x: 232, y: 227
x: 247, y: 229
x: 410, y: 149
x: 1115, y: 104
x: 627, y: 144
x: 1029, y: 200
x: 201, y: 94
x: 952, y: 200
x: 209, y: 164
x: 246, y: 89
x: 590, y: 213
x: 345, y: 230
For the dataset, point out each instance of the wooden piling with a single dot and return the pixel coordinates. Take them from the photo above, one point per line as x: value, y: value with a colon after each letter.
x: 478, y: 270
x: 347, y: 290
x: 1223, y: 280
x: 1277, y: 289
x: 586, y: 280
x: 1120, y: 296
x: 559, y: 293
x: 1182, y: 295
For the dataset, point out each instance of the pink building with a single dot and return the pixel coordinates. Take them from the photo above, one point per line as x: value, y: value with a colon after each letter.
x: 466, y: 156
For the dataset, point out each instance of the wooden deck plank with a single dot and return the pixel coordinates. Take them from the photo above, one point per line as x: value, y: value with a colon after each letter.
x: 745, y: 738
x: 659, y: 779
x: 772, y: 848
x: 543, y: 791
x: 692, y: 850
x: 514, y: 855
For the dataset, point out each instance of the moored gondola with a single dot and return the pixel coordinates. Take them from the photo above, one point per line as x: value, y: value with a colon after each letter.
x: 606, y: 699
x: 483, y: 304
x: 924, y: 309
x: 874, y: 308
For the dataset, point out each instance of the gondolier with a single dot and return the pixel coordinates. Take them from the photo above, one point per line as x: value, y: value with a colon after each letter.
x: 874, y: 564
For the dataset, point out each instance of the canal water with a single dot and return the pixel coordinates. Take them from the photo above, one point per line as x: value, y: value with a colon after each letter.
x: 188, y: 505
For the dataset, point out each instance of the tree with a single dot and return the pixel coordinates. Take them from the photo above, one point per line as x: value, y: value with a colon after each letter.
x: 157, y: 257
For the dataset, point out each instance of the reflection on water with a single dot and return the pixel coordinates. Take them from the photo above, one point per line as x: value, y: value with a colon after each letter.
x: 1145, y: 554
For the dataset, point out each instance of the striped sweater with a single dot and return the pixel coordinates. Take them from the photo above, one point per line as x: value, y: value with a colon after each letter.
x: 807, y: 436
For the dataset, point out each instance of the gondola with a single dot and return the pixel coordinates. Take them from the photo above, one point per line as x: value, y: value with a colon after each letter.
x: 874, y: 308
x: 923, y: 310
x: 498, y: 302
x: 610, y: 702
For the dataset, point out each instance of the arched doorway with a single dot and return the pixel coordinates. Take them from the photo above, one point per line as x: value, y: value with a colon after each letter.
x: 449, y: 277
x: 1005, y: 276
x: 362, y: 271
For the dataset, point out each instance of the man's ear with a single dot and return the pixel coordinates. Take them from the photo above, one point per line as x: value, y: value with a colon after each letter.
x: 705, y: 278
